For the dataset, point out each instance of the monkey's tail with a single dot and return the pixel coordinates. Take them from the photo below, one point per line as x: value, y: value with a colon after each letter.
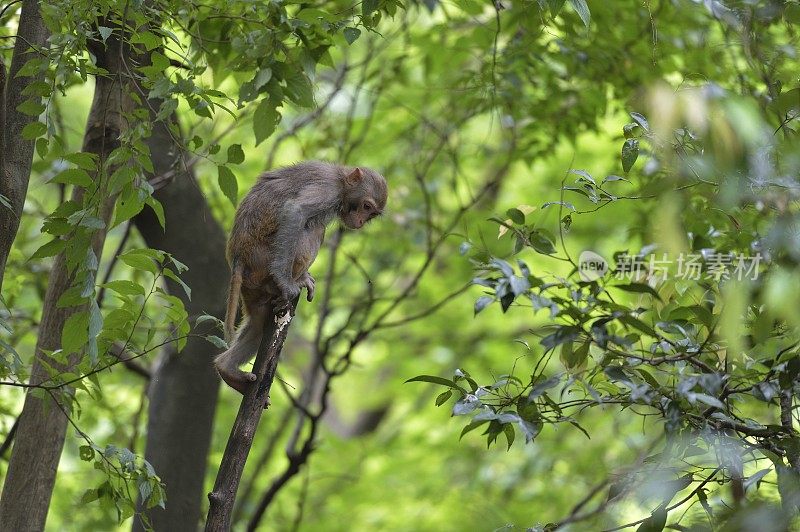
x: 234, y: 292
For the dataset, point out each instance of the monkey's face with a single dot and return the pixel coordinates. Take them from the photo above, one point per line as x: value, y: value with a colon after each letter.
x: 365, y: 197
x: 360, y: 213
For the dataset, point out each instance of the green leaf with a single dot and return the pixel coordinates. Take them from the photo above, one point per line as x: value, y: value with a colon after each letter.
x: 150, y: 40
x: 436, y: 380
x: 73, y: 176
x: 126, y: 288
x: 753, y: 479
x: 351, y: 34
x: 31, y: 107
x: 87, y: 161
x: 261, y: 78
x: 519, y: 285
x: 629, y: 130
x: 641, y: 120
x: 368, y: 7
x: 235, y: 154
x: 574, y: 358
x: 33, y: 130
x: 611, y: 178
x: 54, y: 247
x: 172, y: 275
x: 443, y: 397
x: 482, y: 303
x: 542, y: 387
x: 95, y: 327
x: 298, y: 89
x: 636, y: 323
x: 516, y: 215
x: 39, y: 89
x: 75, y: 332
x: 217, y: 341
x: 555, y: 6
x: 792, y: 13
x: 139, y: 260
x: 710, y: 401
x: 541, y: 242
x: 41, y: 147
x: 639, y: 288
x: 630, y: 152
x: 530, y: 429
x: 86, y: 453
x: 563, y: 334
x: 582, y: 9
x: 105, y: 32
x: 466, y: 405
x: 472, y: 426
x: 656, y: 522
x: 265, y: 119
x: 228, y: 184
x: 508, y: 430
x: 158, y: 209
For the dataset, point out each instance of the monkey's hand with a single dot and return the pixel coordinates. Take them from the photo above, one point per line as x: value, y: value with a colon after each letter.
x: 309, y: 283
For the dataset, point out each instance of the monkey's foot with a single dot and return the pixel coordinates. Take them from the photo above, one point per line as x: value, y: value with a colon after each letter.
x: 309, y: 283
x: 237, y: 379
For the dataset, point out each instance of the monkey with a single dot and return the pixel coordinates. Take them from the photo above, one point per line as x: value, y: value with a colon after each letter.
x: 276, y: 235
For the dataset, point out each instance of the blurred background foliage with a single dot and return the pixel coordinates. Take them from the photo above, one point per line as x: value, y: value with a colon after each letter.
x: 509, y: 131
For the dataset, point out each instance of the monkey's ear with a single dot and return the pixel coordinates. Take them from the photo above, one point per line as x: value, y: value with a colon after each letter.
x: 354, y: 177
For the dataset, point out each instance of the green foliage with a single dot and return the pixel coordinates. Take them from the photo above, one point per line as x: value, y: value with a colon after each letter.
x: 636, y: 130
x: 127, y: 477
x: 704, y: 352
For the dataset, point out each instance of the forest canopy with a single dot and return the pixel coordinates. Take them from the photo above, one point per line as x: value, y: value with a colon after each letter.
x: 577, y: 311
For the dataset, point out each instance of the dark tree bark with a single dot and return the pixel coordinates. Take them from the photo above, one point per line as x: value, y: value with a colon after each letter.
x: 16, y: 154
x: 42, y: 425
x: 223, y: 497
x: 184, y: 388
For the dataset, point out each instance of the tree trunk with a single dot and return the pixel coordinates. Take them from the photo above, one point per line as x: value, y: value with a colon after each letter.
x: 183, y: 390
x: 16, y: 154
x: 42, y: 424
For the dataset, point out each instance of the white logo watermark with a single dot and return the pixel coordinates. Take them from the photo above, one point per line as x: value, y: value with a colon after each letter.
x: 591, y: 266
x: 709, y: 264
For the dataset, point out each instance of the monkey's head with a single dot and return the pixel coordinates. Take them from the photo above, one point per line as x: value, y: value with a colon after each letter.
x: 365, y: 193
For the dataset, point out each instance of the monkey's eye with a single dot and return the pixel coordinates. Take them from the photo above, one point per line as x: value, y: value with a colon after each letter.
x: 367, y: 207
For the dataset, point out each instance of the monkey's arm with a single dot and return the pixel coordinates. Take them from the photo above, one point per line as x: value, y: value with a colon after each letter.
x: 286, y: 240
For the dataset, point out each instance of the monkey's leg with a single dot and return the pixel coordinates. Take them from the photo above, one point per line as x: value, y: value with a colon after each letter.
x: 243, y: 349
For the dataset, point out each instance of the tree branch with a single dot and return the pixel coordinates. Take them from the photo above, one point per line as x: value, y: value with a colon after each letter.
x: 254, y: 402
